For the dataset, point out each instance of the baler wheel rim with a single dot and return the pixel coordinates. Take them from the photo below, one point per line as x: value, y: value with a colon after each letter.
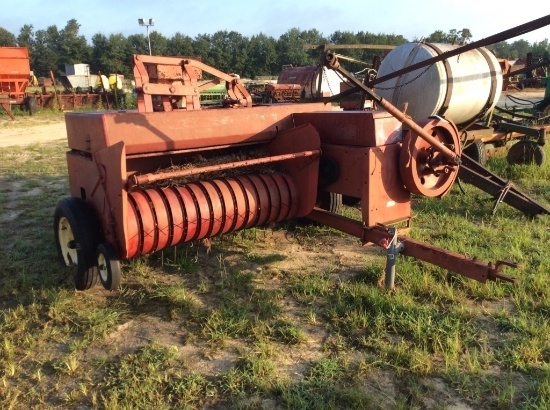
x: 108, y: 266
x: 77, y: 234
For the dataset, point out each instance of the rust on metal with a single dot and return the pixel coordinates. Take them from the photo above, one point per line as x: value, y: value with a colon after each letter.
x: 445, y: 259
x: 138, y: 180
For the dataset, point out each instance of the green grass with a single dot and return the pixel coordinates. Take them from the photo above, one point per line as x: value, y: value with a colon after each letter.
x: 252, y: 325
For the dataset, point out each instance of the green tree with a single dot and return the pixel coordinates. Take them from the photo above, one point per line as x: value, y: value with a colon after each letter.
x: 201, y: 48
x: 262, y: 56
x: 290, y: 47
x: 541, y: 49
x: 438, y: 36
x: 111, y: 54
x: 180, y: 45
x: 348, y: 37
x: 7, y: 39
x: 45, y: 56
x: 520, y: 48
x: 72, y: 47
x: 137, y: 44
x: 26, y: 37
x: 502, y: 49
x: 227, y: 52
x: 159, y: 44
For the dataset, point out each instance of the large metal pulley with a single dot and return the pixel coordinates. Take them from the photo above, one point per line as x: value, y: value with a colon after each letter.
x: 424, y: 169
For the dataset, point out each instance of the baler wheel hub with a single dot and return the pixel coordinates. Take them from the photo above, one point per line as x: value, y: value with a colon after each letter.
x: 67, y: 242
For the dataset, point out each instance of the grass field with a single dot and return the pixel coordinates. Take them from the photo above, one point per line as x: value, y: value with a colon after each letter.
x: 287, y: 317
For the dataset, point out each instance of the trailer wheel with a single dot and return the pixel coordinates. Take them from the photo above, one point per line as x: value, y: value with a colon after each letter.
x: 350, y: 200
x: 31, y: 105
x: 108, y: 266
x: 330, y: 201
x: 477, y: 151
x: 76, y: 236
x: 526, y: 152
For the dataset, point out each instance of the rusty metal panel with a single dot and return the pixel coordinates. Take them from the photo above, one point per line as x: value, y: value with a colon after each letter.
x: 365, y: 128
x: 385, y: 199
x: 164, y: 131
x: 372, y: 174
x: 304, y: 170
x: 351, y: 162
x: 100, y: 182
x: 298, y: 75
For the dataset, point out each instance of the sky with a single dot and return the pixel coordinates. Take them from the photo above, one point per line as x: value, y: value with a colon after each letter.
x: 412, y: 19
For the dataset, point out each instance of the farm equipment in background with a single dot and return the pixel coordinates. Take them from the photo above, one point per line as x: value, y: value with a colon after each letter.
x: 463, y: 84
x: 15, y: 74
x: 15, y: 78
x: 175, y: 171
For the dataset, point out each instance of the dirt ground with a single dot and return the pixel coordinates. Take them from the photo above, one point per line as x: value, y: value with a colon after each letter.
x: 24, y: 131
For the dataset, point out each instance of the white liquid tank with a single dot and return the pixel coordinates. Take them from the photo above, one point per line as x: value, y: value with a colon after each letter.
x: 461, y: 88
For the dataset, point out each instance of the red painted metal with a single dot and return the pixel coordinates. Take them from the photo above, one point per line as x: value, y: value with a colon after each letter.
x: 445, y: 259
x: 176, y: 213
x: 217, y: 210
x: 274, y: 197
x: 14, y: 72
x: 165, y: 217
x: 146, y: 222
x: 172, y: 83
x: 229, y: 205
x: 263, y: 199
x: 191, y: 222
x: 163, y: 221
x: 144, y: 179
x: 253, y: 202
x: 119, y: 160
x: 133, y: 243
x: 204, y: 212
x: 425, y: 170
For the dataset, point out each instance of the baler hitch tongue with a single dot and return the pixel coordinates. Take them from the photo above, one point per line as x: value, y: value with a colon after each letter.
x: 496, y: 272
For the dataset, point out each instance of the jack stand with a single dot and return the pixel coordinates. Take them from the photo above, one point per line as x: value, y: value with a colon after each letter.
x: 393, y: 249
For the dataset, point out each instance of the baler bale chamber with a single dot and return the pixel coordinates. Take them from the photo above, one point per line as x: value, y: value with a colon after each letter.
x: 173, y: 172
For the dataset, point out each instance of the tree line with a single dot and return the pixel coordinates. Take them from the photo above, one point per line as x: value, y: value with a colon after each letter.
x: 228, y: 51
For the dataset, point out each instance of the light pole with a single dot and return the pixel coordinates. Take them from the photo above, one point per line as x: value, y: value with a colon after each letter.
x: 151, y: 22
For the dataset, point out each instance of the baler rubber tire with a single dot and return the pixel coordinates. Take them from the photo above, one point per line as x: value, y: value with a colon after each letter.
x: 108, y: 266
x: 477, y: 151
x: 330, y: 201
x: 76, y: 230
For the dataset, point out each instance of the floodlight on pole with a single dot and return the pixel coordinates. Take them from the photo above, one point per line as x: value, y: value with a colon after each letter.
x: 147, y: 24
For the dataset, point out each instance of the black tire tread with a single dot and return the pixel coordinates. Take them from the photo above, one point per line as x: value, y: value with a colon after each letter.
x: 85, y: 227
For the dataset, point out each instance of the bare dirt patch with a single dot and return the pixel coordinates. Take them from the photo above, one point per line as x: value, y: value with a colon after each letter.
x: 31, y: 130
